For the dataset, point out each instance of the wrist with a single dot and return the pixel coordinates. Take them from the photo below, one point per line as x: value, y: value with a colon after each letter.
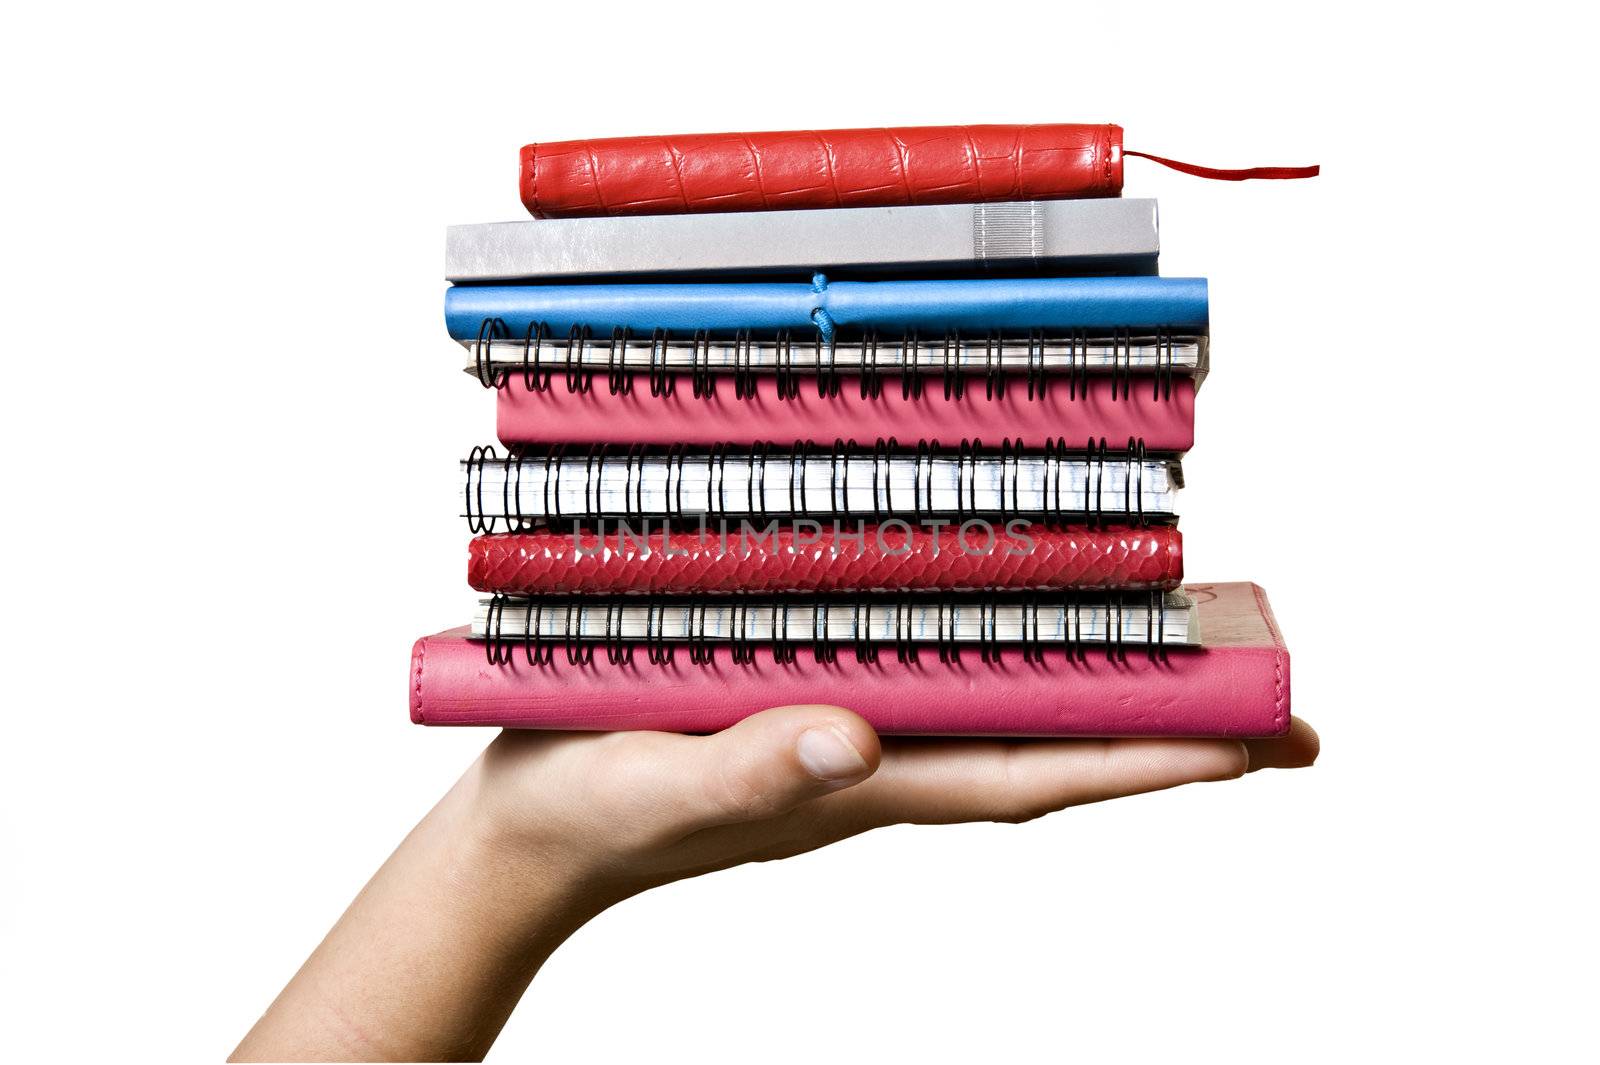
x: 537, y: 870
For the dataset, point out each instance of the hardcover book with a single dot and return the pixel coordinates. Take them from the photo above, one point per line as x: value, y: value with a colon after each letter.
x: 1117, y: 668
x: 1085, y: 236
x: 708, y: 172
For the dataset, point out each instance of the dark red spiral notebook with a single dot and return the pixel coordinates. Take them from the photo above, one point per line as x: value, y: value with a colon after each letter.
x: 826, y: 557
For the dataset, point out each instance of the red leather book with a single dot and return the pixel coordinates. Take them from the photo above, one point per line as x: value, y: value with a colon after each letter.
x: 815, y: 558
x: 1237, y: 684
x: 1164, y: 421
x: 707, y: 172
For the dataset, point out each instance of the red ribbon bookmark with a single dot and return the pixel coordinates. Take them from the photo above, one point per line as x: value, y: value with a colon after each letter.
x: 1271, y: 173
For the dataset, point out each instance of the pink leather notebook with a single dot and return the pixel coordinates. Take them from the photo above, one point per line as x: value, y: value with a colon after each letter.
x: 1166, y: 423
x: 1237, y: 684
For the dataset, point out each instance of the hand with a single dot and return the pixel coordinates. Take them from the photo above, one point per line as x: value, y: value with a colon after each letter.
x: 545, y: 830
x: 629, y: 810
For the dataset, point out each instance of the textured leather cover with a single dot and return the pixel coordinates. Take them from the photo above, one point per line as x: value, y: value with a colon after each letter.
x: 1018, y: 303
x: 915, y: 559
x: 1237, y: 685
x: 708, y: 172
x: 598, y: 416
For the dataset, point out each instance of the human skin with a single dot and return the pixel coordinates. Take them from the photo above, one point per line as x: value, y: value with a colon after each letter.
x: 545, y: 830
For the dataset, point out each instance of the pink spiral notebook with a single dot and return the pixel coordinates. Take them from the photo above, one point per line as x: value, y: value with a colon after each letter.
x: 1235, y: 685
x: 1165, y: 422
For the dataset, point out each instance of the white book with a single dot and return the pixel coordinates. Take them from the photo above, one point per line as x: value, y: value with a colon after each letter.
x: 578, y: 484
x: 1103, y: 236
x: 1161, y: 619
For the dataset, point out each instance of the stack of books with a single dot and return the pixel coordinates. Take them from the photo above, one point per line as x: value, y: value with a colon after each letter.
x: 887, y: 419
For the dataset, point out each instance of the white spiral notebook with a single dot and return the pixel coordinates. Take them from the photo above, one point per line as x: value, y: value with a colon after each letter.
x: 561, y: 483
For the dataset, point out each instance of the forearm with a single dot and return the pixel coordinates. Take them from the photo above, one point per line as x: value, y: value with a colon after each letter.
x: 434, y: 953
x: 547, y: 829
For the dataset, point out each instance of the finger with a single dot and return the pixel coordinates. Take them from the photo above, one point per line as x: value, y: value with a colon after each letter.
x: 943, y: 782
x: 1296, y: 749
x: 771, y: 762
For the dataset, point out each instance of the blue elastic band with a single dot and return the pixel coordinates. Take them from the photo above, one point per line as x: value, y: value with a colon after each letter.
x: 824, y: 324
x: 823, y: 321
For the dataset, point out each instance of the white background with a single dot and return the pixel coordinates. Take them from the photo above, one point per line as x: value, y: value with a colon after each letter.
x: 232, y: 419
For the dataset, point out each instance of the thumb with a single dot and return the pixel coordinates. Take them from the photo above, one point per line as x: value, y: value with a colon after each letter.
x: 773, y: 761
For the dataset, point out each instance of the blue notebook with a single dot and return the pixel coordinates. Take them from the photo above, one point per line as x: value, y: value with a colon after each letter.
x: 1149, y: 303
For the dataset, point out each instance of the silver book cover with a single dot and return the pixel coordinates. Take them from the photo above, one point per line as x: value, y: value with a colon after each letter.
x: 1102, y: 236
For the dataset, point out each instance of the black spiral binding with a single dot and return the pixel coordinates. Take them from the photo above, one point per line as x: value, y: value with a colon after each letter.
x: 827, y: 370
x: 783, y: 648
x: 677, y: 459
x: 1054, y: 464
x: 911, y: 366
x: 994, y: 380
x: 871, y: 382
x: 489, y: 329
x: 579, y: 371
x: 839, y: 486
x: 905, y: 644
x: 923, y: 461
x: 1078, y: 366
x: 1032, y: 641
x: 955, y: 382
x: 1094, y: 482
x: 882, y: 485
x: 539, y: 649
x: 949, y: 650
x: 1098, y: 459
x: 1036, y: 378
x: 535, y: 376
x: 701, y: 651
x: 1133, y: 484
x: 662, y: 381
x: 741, y: 646
x: 1115, y: 648
x: 498, y: 651
x: 1121, y: 364
x: 744, y: 374
x: 594, y: 472
x: 618, y: 377
x: 1156, y: 629
x: 866, y: 650
x: 823, y: 649
x: 618, y: 651
x: 579, y: 377
x: 786, y: 381
x: 474, y: 489
x: 1010, y: 458
x: 579, y: 652
x: 967, y: 473
x: 758, y: 477
x: 988, y: 640
x: 1164, y: 381
x: 703, y: 379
